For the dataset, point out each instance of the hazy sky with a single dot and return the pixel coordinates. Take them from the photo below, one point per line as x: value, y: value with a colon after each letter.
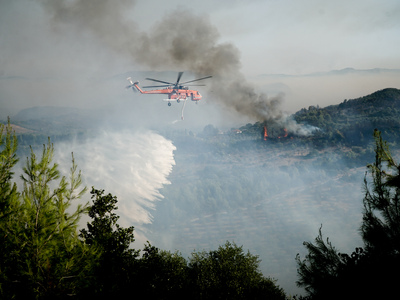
x: 293, y: 37
x: 58, y: 52
x: 297, y: 37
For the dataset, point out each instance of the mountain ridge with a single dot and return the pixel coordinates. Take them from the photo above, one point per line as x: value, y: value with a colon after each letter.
x: 380, y: 109
x: 344, y: 71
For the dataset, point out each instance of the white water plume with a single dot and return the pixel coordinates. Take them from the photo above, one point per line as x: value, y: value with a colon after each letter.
x: 133, y: 166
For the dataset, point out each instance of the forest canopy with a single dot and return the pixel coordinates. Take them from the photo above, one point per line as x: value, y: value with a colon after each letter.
x: 44, y: 255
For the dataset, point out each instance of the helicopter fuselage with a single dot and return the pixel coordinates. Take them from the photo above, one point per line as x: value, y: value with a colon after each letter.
x: 177, y: 91
x: 173, y: 93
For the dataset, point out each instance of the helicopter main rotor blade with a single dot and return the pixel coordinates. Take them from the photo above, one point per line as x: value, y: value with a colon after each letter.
x: 179, y: 78
x: 156, y: 80
x: 196, y: 79
x: 153, y: 86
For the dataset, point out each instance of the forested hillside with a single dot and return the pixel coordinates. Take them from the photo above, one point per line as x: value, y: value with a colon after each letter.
x: 269, y: 194
x: 349, y: 123
x: 352, y: 121
x: 45, y: 255
x: 266, y: 193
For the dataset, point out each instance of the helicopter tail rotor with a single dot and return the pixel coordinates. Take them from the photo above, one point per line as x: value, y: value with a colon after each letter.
x: 132, y: 85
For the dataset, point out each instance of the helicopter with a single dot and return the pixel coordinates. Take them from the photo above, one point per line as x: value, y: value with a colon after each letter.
x: 177, y: 91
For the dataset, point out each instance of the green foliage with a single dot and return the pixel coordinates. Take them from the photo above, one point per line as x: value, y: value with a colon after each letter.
x: 162, y: 274
x: 9, y: 208
x: 8, y: 159
x: 318, y: 270
x: 44, y: 257
x: 369, y: 272
x: 50, y: 231
x: 352, y: 120
x: 229, y: 273
x: 104, y: 231
x: 381, y: 218
x: 113, y: 271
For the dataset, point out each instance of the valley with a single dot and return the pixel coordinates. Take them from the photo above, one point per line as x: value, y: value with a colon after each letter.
x: 267, y: 195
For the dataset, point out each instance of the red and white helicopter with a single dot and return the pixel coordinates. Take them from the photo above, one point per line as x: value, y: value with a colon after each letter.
x: 176, y: 91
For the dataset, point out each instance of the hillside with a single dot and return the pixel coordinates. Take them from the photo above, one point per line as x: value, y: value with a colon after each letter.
x: 55, y: 121
x: 349, y: 122
x: 352, y: 121
x: 267, y: 195
x: 271, y: 195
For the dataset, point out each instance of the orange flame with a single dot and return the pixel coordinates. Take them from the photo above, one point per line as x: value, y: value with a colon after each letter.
x: 265, y: 133
x: 285, y: 130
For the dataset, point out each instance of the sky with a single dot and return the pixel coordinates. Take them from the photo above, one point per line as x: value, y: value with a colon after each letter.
x: 300, y: 37
x: 291, y: 37
x: 71, y: 52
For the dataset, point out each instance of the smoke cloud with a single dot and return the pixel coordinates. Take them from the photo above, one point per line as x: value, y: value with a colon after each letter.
x: 181, y: 41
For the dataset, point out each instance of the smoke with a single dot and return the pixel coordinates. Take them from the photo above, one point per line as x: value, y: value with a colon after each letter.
x: 297, y: 129
x: 270, y: 200
x: 133, y: 166
x: 181, y: 41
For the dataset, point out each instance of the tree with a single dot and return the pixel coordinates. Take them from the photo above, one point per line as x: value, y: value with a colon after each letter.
x: 44, y: 256
x: 381, y: 218
x: 370, y: 272
x: 162, y: 274
x: 8, y: 159
x: 48, y: 259
x: 319, y: 269
x: 9, y: 206
x: 114, y: 271
x: 380, y: 228
x: 229, y: 273
x: 53, y: 255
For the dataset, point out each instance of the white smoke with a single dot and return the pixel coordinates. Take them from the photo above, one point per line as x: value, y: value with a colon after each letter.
x: 133, y: 166
x: 299, y: 129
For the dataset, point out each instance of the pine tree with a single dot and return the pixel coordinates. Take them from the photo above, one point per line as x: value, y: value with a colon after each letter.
x: 46, y: 258
x: 53, y: 254
x: 9, y: 208
x: 380, y: 228
x: 112, y: 276
x: 318, y: 270
x: 370, y: 272
x: 8, y: 159
x: 381, y: 218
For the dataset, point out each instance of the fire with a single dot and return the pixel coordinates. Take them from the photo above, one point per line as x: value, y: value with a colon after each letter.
x: 285, y: 133
x: 265, y: 133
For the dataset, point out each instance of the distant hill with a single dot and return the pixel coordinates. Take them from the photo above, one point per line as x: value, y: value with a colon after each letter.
x: 344, y: 71
x: 54, y: 120
x: 45, y: 112
x: 380, y: 100
x: 353, y: 120
x: 349, y: 123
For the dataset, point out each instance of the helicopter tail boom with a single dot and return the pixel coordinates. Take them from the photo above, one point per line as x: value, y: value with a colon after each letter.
x: 134, y: 85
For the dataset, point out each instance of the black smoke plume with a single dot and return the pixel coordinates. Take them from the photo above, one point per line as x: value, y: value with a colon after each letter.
x: 181, y: 41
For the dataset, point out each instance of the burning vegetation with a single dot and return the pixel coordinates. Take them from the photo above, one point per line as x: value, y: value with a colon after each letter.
x: 274, y: 132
